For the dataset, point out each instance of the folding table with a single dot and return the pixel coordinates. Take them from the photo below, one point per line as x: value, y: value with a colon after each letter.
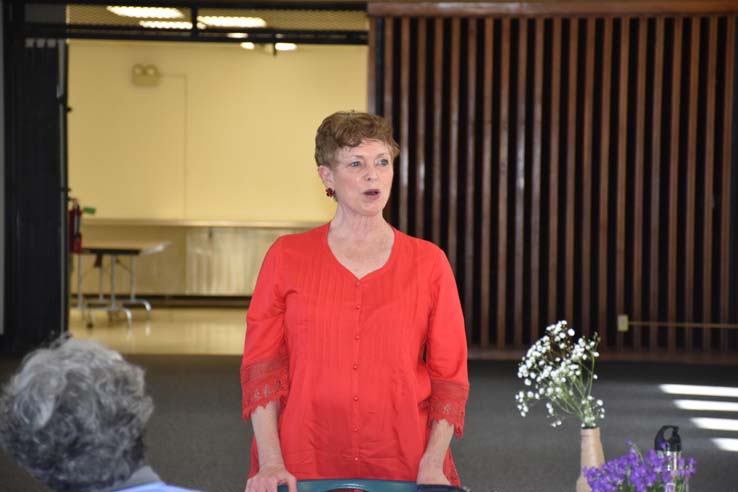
x: 112, y: 304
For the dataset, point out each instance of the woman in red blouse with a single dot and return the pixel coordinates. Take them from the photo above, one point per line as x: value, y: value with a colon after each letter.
x: 354, y: 363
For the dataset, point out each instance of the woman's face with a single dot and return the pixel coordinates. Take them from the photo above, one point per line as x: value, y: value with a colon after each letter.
x: 361, y: 176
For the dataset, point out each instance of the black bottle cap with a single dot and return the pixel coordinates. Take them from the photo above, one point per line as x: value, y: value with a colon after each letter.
x: 672, y: 444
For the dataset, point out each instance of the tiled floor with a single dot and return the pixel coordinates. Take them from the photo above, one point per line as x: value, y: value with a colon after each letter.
x: 170, y: 331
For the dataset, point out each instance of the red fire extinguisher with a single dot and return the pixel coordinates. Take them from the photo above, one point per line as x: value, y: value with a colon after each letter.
x: 75, y: 226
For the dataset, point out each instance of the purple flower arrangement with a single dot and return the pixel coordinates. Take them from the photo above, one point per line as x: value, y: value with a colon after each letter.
x: 634, y: 472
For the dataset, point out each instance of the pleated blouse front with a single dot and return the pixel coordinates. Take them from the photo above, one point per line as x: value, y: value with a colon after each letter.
x: 361, y: 366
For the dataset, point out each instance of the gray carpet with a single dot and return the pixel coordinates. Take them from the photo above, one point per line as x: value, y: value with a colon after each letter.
x: 197, y: 439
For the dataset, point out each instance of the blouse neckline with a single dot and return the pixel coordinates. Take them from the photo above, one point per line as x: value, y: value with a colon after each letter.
x: 341, y: 266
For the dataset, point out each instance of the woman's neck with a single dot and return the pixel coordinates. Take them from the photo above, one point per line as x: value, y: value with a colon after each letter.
x: 358, y: 227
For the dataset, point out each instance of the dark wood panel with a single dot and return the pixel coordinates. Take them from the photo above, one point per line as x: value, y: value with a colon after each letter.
x: 553, y: 171
x: 727, y: 257
x: 519, y: 193
x: 470, y: 268
x: 535, y: 185
x: 437, y: 129
x: 403, y: 175
x: 604, y: 188
x: 709, y: 179
x: 420, y: 129
x: 372, y: 68
x: 452, y: 190
x: 622, y: 170
x: 572, y: 171
x: 486, y: 200
x: 671, y: 282
x: 571, y: 144
x: 691, y: 193
x: 586, y: 180
x: 555, y: 8
x: 638, y: 185
x: 502, y: 178
x: 389, y: 40
x: 655, y: 191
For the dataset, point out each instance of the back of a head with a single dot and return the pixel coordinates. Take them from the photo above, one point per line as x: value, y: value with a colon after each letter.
x: 74, y: 415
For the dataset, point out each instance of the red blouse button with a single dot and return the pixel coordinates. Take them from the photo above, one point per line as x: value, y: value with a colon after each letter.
x: 356, y: 458
x: 356, y: 398
x: 357, y: 337
x: 356, y: 366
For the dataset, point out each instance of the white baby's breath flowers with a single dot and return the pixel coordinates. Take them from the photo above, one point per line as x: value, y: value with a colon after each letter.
x: 561, y: 372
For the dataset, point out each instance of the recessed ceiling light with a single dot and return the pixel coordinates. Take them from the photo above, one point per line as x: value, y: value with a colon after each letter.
x: 285, y: 46
x: 146, y: 12
x: 248, y: 45
x: 156, y: 24
x: 237, y: 35
x: 229, y: 21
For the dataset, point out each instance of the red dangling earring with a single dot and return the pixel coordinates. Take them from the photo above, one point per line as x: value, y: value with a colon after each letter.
x: 329, y: 192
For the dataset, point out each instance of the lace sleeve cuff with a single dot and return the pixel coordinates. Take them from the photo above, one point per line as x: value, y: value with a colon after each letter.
x: 263, y: 382
x: 448, y: 402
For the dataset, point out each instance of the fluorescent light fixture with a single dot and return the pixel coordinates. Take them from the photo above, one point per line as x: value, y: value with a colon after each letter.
x: 248, y: 45
x: 146, y: 12
x: 229, y: 21
x: 694, y: 390
x: 156, y: 24
x: 716, y: 406
x: 285, y: 46
x: 726, y: 444
x: 237, y: 35
x: 716, y: 424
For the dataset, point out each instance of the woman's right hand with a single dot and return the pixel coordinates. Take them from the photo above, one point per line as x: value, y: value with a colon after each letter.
x: 269, y: 477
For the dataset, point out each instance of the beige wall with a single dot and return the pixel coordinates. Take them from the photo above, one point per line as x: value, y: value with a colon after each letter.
x: 226, y: 135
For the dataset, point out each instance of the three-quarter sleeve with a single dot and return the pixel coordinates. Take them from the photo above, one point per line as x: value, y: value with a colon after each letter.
x: 265, y: 363
x: 446, y: 355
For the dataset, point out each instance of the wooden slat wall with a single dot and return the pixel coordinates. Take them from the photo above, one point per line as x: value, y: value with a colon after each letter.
x: 573, y: 167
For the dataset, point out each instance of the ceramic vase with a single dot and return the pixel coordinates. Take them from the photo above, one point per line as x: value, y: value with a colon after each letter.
x: 591, y: 455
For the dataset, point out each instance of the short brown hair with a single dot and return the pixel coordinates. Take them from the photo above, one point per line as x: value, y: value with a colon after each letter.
x: 349, y: 129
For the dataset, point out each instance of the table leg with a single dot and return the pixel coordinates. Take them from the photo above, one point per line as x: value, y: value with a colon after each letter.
x: 79, y: 283
x: 113, y: 261
x: 99, y: 260
x: 133, y: 278
x: 132, y: 298
x: 84, y: 314
x: 114, y: 306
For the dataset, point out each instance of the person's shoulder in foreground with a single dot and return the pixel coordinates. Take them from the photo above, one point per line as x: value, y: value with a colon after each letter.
x: 145, y: 480
x: 74, y: 415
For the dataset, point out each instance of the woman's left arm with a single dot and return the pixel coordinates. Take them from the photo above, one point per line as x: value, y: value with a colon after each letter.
x: 446, y: 360
x: 431, y: 464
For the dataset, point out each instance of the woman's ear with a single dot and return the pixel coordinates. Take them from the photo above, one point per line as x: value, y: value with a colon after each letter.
x: 326, y: 175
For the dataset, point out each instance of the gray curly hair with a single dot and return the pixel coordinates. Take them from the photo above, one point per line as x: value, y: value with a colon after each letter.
x: 74, y: 416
